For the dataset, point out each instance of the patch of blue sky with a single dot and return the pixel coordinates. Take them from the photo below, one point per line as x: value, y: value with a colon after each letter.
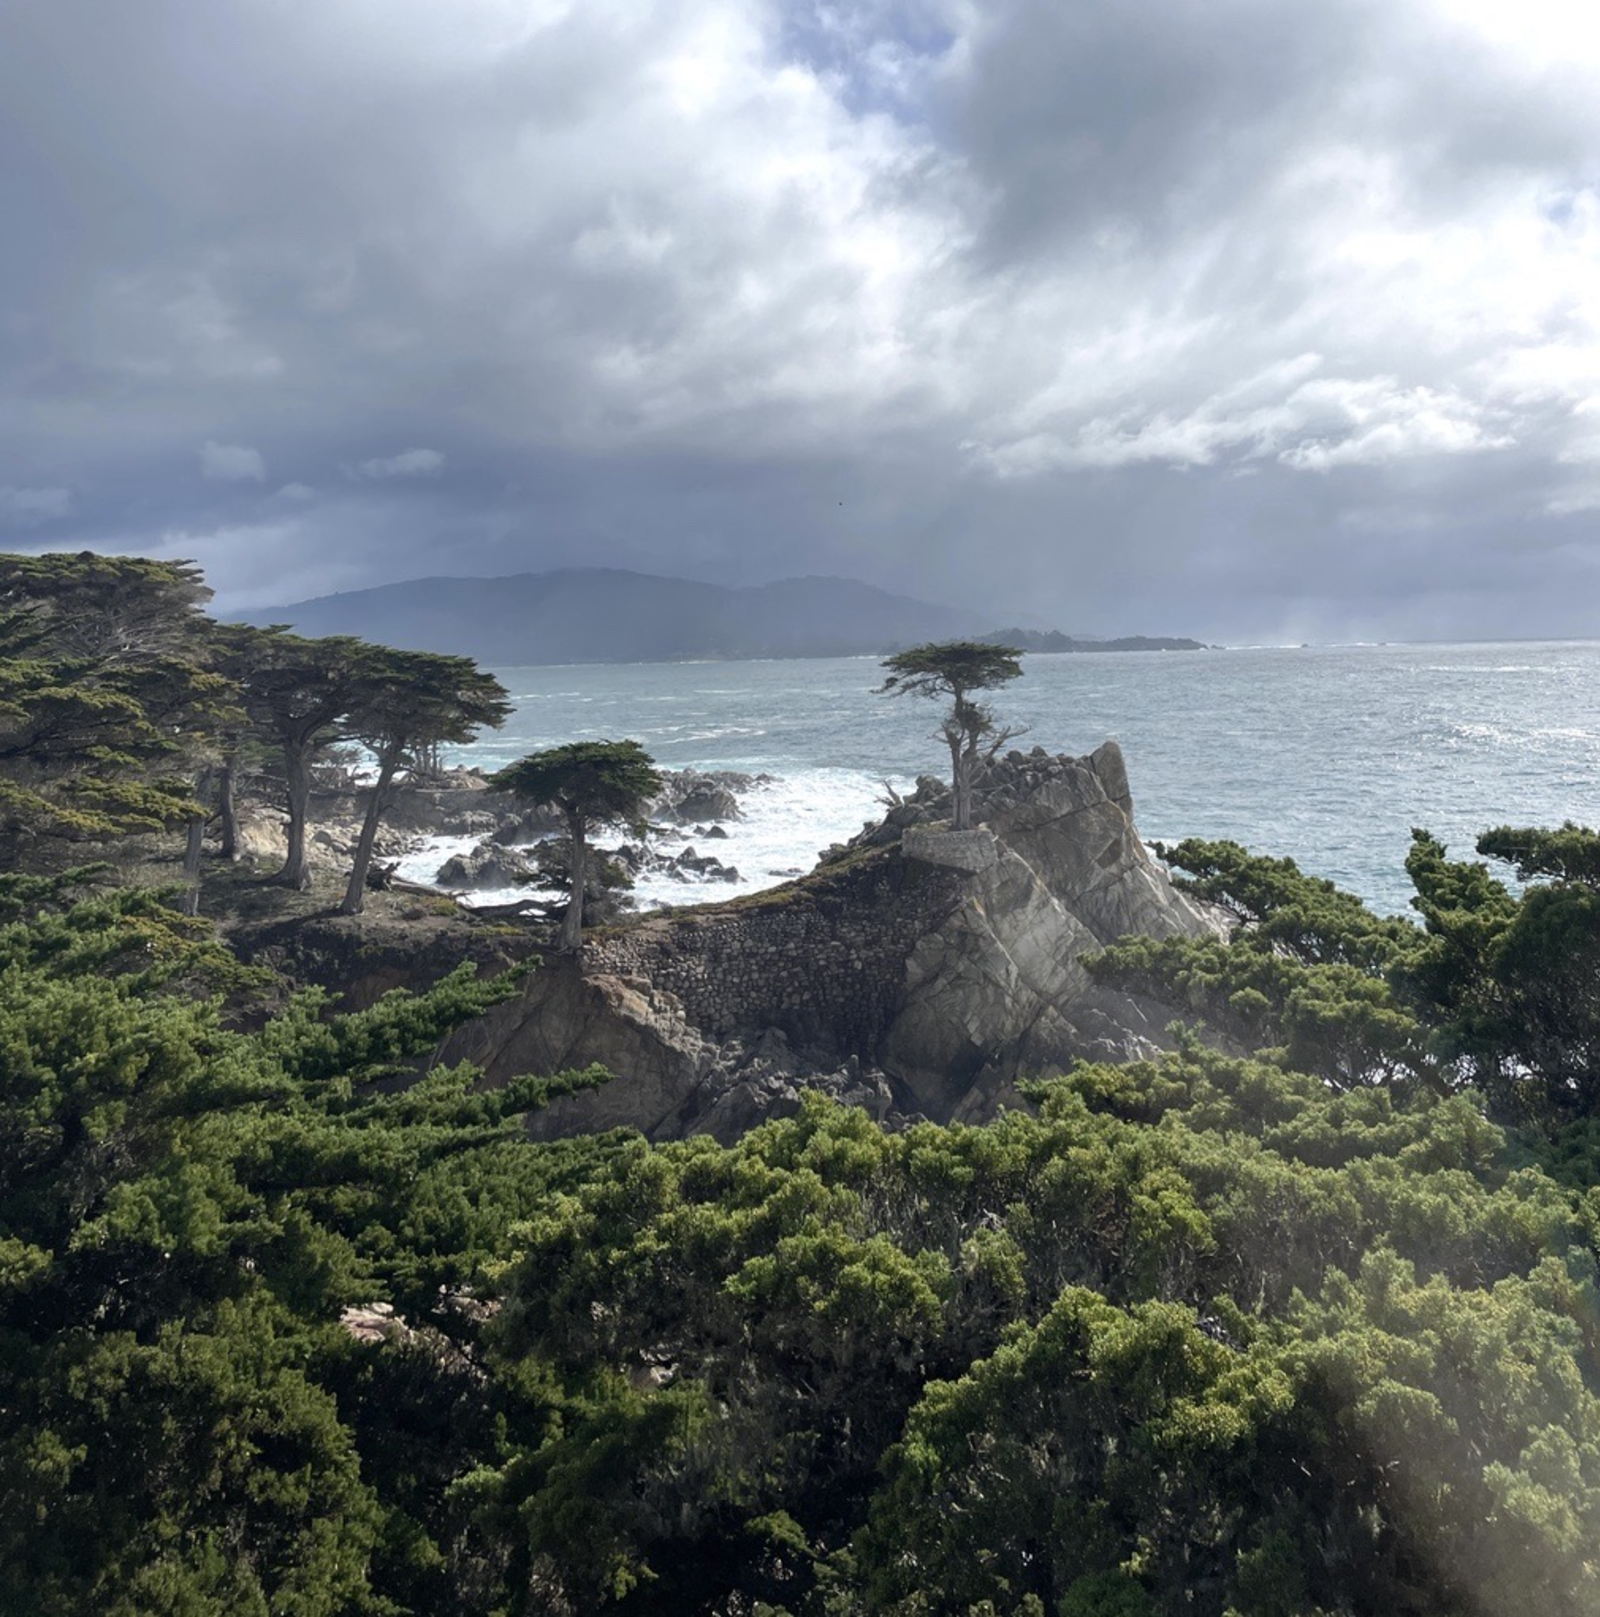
x: 874, y: 53
x: 1566, y: 208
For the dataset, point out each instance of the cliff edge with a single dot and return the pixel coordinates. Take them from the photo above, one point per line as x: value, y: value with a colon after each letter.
x: 916, y: 971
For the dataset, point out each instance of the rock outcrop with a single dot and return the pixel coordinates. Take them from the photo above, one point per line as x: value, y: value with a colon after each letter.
x: 688, y: 797
x: 1000, y: 989
x: 486, y: 866
x: 920, y: 972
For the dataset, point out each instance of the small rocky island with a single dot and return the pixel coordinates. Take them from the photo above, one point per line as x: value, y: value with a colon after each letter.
x: 916, y: 972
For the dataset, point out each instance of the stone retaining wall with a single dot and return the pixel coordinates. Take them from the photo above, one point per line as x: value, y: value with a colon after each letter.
x: 974, y: 850
x: 825, y: 964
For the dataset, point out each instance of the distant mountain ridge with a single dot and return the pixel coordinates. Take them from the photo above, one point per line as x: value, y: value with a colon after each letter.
x: 581, y: 615
x: 608, y: 615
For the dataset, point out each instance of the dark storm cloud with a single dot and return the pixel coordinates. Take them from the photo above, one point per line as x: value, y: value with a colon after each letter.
x: 1146, y: 119
x: 1244, y: 319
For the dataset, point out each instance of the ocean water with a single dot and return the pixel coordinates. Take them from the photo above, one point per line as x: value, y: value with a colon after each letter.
x: 1329, y: 755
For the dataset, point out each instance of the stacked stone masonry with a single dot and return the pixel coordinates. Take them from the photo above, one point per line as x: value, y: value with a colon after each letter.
x: 825, y: 964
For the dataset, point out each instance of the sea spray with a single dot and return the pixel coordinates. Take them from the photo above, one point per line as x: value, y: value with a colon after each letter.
x: 784, y: 823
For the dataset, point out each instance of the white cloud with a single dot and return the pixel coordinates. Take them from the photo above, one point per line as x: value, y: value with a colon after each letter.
x: 408, y: 463
x: 1314, y: 426
x: 231, y: 463
x: 1573, y: 501
x: 1544, y: 33
x: 1376, y: 421
x: 30, y: 507
x: 295, y: 491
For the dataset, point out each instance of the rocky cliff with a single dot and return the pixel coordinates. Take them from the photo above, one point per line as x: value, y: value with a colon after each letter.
x: 917, y: 971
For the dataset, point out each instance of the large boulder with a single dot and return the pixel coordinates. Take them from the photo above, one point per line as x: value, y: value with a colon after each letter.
x: 527, y: 825
x: 689, y: 866
x: 486, y: 867
x: 689, y: 797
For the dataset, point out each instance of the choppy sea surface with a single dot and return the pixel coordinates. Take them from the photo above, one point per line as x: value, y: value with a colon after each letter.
x: 1328, y: 754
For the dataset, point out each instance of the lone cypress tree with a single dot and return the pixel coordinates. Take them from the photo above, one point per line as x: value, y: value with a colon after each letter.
x: 954, y: 669
x: 593, y: 783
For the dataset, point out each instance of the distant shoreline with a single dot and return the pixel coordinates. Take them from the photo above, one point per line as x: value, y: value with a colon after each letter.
x: 599, y: 616
x: 1054, y: 642
x: 713, y: 660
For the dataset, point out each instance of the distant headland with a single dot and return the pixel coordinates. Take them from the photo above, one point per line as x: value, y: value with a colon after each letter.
x: 1053, y: 640
x: 607, y: 615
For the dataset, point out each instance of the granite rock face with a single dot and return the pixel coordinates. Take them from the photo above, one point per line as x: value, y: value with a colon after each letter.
x: 999, y: 990
x: 919, y: 973
x: 672, y: 1079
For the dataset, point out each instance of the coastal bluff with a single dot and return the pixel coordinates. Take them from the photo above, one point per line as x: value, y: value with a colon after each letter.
x: 916, y: 971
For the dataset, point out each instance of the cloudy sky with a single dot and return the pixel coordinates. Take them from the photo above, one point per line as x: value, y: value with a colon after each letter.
x: 1239, y: 318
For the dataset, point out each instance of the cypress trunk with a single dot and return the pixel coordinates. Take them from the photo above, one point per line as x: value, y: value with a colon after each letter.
x: 296, y: 871
x: 191, y: 865
x: 960, y: 786
x: 228, y: 809
x: 355, y: 893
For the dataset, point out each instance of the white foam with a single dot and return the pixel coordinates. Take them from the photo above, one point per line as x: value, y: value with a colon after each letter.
x: 422, y: 863
x: 784, y: 825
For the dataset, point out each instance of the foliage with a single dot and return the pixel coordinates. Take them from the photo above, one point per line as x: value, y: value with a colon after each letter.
x: 1307, y: 975
x: 593, y: 783
x: 1495, y: 990
x: 952, y: 670
x: 184, y: 1211
x: 1145, y: 1349
x: 106, y: 697
x: 106, y: 610
x: 600, y: 781
x: 406, y: 704
x: 1284, y: 909
x: 1570, y: 853
x: 1511, y: 983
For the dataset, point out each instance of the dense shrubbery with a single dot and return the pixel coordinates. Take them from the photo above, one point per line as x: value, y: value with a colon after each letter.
x: 1301, y: 1318
x: 1207, y: 1333
x: 1492, y: 991
x: 1201, y: 1335
x: 184, y: 1212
